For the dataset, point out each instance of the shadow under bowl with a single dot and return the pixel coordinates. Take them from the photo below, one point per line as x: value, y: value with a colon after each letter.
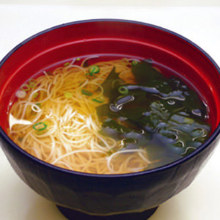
x: 107, y: 195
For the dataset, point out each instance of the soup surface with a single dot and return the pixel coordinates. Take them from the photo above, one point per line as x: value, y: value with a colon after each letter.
x: 110, y: 117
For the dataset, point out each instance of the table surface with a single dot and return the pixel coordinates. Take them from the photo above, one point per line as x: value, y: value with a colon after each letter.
x: 200, y: 201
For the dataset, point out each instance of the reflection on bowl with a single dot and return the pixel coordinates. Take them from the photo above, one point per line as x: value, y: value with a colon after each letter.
x: 107, y: 195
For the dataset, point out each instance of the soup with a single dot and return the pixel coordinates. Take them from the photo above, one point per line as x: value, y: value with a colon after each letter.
x: 109, y: 117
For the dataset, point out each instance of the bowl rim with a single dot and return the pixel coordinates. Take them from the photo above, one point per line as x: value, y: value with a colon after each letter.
x: 214, y: 135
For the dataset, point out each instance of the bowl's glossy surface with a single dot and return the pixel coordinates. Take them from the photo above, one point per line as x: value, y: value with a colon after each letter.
x: 108, y: 194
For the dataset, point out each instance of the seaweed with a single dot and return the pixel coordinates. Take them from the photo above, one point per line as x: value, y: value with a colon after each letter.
x: 111, y: 84
x: 162, y: 106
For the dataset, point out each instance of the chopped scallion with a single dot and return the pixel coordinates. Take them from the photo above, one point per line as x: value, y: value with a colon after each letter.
x: 93, y: 69
x: 97, y: 100
x: 35, y: 95
x: 188, y: 120
x: 123, y: 90
x: 134, y: 62
x: 40, y: 126
x: 31, y: 84
x: 86, y: 92
x: 68, y: 95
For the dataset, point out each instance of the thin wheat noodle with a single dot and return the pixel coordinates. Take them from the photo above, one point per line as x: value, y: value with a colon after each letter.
x: 64, y: 126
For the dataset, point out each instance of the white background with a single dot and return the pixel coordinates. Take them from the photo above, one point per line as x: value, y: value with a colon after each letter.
x: 201, y: 200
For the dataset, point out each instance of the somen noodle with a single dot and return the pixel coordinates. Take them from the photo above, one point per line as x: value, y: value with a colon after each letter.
x: 109, y: 117
x: 61, y: 107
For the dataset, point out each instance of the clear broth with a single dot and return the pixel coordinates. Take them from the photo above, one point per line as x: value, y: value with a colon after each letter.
x: 114, y: 116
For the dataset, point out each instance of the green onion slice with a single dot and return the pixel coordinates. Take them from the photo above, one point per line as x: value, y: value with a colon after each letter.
x: 188, y: 120
x: 89, y: 74
x: 134, y: 62
x: 123, y: 90
x: 97, y: 100
x: 31, y: 84
x: 93, y: 69
x: 86, y: 92
x: 40, y: 126
x: 68, y: 95
x: 66, y: 64
x: 35, y: 95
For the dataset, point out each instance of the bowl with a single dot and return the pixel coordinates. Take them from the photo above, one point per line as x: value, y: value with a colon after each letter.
x: 113, y: 196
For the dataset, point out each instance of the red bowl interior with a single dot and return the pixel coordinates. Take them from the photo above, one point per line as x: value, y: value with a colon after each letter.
x: 110, y: 37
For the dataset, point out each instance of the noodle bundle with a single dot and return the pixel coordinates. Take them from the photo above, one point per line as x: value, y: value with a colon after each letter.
x: 110, y: 117
x: 54, y: 118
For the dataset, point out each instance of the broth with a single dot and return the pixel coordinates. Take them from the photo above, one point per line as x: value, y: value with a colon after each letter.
x: 109, y: 117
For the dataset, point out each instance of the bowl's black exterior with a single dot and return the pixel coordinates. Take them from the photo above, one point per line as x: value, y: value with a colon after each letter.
x: 105, y: 194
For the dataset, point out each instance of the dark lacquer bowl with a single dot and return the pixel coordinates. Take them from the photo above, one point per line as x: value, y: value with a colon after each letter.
x: 108, y: 194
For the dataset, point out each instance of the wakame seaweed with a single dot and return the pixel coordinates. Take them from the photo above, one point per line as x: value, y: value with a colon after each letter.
x: 111, y: 85
x: 162, y: 108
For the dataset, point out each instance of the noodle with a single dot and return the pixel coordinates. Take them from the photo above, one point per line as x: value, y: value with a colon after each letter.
x: 63, y: 126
